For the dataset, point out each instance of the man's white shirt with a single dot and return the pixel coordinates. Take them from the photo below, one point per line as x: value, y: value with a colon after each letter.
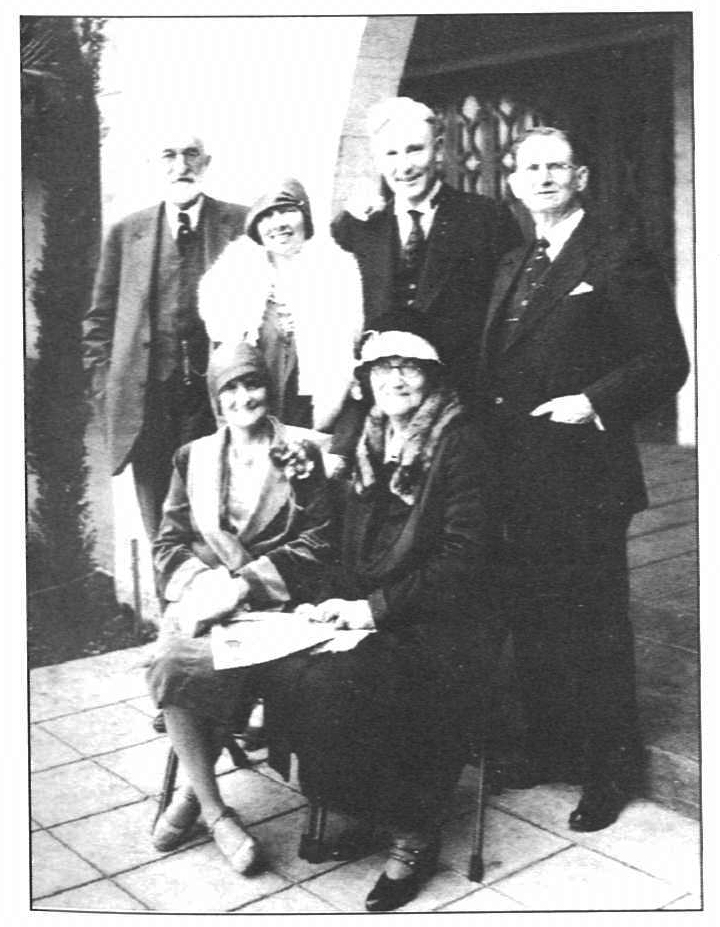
x: 172, y: 211
x: 424, y: 207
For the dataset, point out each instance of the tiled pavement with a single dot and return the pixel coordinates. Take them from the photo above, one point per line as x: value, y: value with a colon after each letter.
x: 96, y: 766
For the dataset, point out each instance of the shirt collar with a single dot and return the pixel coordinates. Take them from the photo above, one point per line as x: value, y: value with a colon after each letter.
x: 172, y: 210
x: 426, y: 204
x: 557, y: 235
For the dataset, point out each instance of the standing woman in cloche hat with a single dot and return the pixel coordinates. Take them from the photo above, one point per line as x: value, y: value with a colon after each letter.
x: 297, y: 296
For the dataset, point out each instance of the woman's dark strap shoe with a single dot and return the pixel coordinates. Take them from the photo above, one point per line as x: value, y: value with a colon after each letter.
x: 389, y: 894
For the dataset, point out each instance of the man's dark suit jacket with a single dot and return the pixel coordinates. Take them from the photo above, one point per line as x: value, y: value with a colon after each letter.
x: 117, y: 328
x: 467, y: 237
x: 602, y: 322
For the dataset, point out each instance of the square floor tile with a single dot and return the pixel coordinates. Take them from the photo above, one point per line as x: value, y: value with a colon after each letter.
x: 293, y: 900
x: 577, y: 879
x: 652, y: 838
x: 548, y: 806
x: 69, y: 792
x: 47, y: 751
x: 142, y: 765
x: 664, y: 516
x: 101, y: 730
x: 662, y: 493
x: 347, y: 886
x: 88, y: 683
x: 116, y: 840
x: 675, y: 780
x: 195, y: 881
x: 486, y: 900
x: 508, y: 845
x: 661, y: 545
x: 55, y: 867
x: 667, y: 622
x: 670, y: 723
x: 98, y: 896
x: 666, y: 670
x: 257, y: 797
x: 671, y: 577
x: 144, y: 704
x: 280, y: 839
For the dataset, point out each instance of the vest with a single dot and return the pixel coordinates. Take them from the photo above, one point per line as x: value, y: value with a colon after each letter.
x: 174, y: 305
x: 405, y: 280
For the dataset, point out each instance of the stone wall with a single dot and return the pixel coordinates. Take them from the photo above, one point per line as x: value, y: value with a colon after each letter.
x: 378, y: 71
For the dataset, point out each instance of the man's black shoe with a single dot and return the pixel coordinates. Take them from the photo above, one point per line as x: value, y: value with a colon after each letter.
x: 599, y: 807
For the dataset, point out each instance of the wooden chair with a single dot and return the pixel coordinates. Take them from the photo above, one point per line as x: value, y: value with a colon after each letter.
x: 237, y: 754
x: 312, y: 842
x: 312, y: 847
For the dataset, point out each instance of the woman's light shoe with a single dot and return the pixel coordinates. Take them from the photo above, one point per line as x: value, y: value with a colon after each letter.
x: 237, y: 846
x: 174, y: 825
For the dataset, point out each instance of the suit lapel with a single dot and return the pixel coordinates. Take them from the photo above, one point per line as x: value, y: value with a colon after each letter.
x: 274, y: 494
x: 444, y: 246
x: 215, y: 230
x: 143, y: 247
x: 508, y: 269
x: 564, y: 273
x: 383, y: 239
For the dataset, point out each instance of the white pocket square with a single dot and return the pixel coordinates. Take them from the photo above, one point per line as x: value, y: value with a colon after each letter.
x: 581, y: 288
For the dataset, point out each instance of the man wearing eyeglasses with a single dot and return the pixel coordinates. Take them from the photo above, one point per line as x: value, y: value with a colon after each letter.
x: 144, y: 344
x: 581, y: 341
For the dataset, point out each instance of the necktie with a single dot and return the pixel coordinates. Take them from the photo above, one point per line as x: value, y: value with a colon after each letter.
x: 535, y: 267
x: 416, y: 239
x: 184, y: 232
x: 540, y: 260
x: 537, y: 264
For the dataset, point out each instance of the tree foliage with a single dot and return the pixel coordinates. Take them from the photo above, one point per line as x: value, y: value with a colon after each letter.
x: 59, y: 57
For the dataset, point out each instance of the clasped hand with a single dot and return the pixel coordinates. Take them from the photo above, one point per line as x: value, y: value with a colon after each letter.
x: 347, y: 615
x: 212, y: 596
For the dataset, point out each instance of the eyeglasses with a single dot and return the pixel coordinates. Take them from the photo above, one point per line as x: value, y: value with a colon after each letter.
x: 554, y: 168
x: 408, y: 369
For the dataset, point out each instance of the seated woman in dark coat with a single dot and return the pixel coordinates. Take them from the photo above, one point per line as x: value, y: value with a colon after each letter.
x: 381, y: 731
x: 380, y: 723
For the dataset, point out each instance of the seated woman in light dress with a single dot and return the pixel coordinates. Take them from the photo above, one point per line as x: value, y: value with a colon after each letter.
x: 245, y: 525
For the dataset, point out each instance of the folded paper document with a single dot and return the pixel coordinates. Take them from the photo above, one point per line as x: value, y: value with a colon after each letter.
x: 258, y: 637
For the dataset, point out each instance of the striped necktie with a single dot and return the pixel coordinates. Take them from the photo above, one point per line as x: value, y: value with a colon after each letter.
x: 412, y: 251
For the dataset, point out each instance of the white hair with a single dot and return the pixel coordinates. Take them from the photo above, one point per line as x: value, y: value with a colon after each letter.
x: 398, y: 109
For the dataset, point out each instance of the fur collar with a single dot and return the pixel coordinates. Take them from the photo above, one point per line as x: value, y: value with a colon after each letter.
x: 417, y: 451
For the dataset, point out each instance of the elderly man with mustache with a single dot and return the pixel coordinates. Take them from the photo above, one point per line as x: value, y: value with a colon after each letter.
x: 145, y: 347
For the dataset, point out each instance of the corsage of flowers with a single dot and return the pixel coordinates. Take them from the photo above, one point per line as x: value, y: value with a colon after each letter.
x: 294, y: 459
